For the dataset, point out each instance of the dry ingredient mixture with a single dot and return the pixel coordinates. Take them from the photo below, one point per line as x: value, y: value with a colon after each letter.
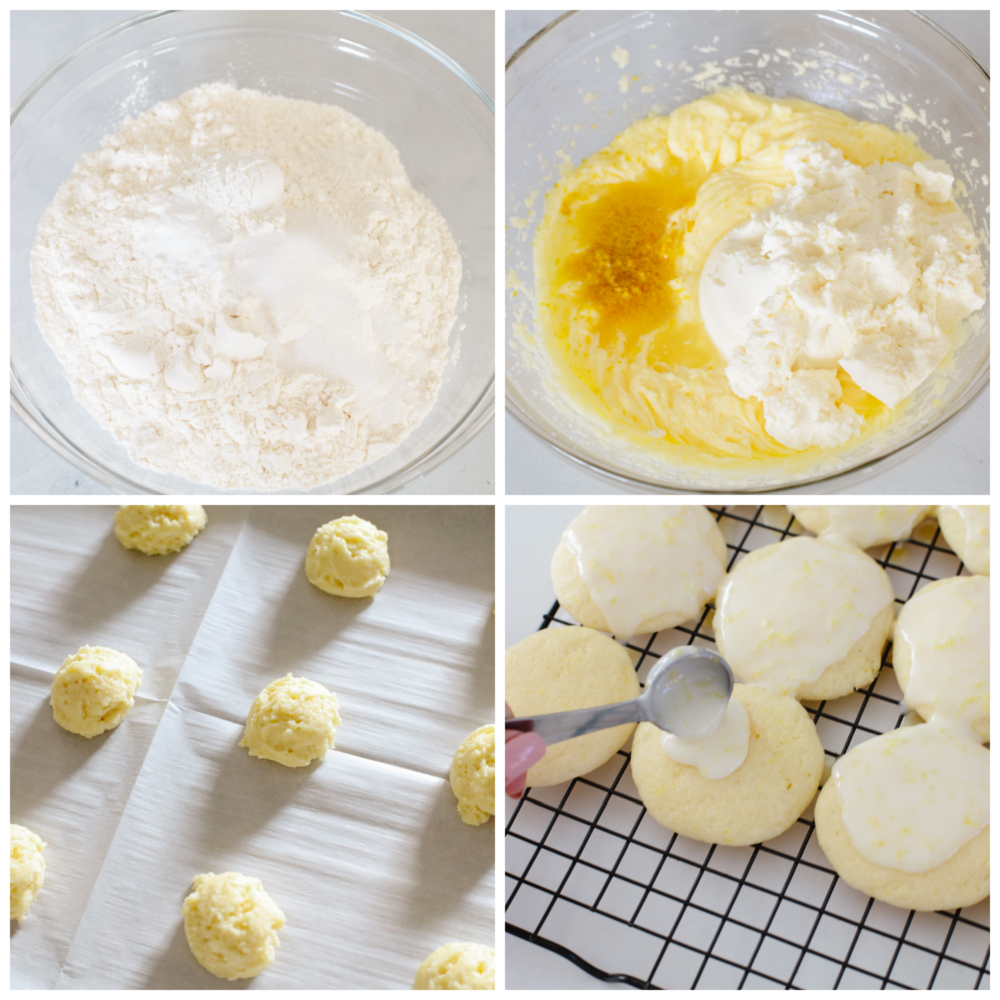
x: 246, y: 291
x: 747, y: 278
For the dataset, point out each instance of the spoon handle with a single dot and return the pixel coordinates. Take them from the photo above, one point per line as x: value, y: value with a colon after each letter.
x: 561, y: 726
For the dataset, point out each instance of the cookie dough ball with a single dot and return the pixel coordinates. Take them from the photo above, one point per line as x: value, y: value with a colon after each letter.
x: 458, y: 967
x: 805, y: 617
x: 648, y: 568
x: 158, y: 529
x: 559, y: 669
x: 966, y: 529
x: 292, y: 721
x: 761, y: 799
x: 962, y: 880
x: 231, y: 925
x: 348, y: 557
x: 473, y: 776
x: 93, y: 690
x: 863, y: 525
x: 27, y: 870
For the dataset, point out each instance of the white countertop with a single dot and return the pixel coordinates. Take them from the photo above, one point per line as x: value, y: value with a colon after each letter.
x: 956, y: 462
x: 39, y: 39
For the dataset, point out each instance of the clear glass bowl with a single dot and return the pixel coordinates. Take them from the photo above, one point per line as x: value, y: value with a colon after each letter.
x: 438, y: 117
x: 564, y: 102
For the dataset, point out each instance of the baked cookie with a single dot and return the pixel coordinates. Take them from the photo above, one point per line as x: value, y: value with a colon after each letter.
x: 458, y: 967
x: 94, y: 690
x: 941, y: 652
x: 905, y: 818
x: 27, y: 870
x: 231, y: 925
x: 805, y: 617
x: 863, y: 525
x: 634, y: 570
x: 557, y: 670
x: 966, y: 529
x: 158, y: 529
x: 759, y: 800
x: 473, y: 776
x: 348, y: 557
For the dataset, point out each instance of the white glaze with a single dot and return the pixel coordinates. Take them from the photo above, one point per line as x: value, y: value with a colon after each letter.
x: 865, y: 525
x: 976, y: 551
x: 948, y: 635
x: 911, y: 798
x: 782, y: 621
x: 640, y: 562
x: 718, y: 755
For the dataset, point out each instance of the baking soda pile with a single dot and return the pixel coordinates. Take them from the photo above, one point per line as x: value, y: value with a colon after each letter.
x: 246, y: 291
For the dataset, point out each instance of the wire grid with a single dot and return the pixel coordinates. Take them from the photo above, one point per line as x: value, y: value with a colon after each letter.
x: 591, y: 876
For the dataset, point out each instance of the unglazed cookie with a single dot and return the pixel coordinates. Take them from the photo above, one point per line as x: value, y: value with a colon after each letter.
x: 348, y: 557
x: 231, y: 925
x: 805, y: 617
x: 458, y: 967
x: 559, y: 669
x: 292, y: 721
x: 859, y: 524
x: 27, y: 870
x: 941, y: 652
x: 759, y: 800
x: 473, y: 776
x: 158, y: 529
x: 632, y: 570
x: 966, y: 529
x: 94, y: 690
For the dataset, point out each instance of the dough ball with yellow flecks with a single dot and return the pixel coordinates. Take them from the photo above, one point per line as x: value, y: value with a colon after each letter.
x: 473, y: 776
x: 158, y: 529
x: 27, y: 870
x: 458, y: 967
x: 348, y: 557
x: 292, y: 721
x: 94, y: 690
x: 231, y: 925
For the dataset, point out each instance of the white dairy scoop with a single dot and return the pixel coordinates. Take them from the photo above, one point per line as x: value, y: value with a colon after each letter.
x: 686, y: 694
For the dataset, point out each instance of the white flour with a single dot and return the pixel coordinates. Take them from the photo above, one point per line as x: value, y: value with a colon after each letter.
x: 246, y: 291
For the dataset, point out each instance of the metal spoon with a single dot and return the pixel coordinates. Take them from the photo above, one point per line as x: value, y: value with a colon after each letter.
x: 686, y: 694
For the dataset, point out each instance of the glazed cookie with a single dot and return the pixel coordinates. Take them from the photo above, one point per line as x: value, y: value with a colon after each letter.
x: 94, y: 690
x: 348, y: 557
x: 559, y: 669
x: 634, y: 570
x: 158, y: 529
x: 458, y: 967
x: 966, y: 529
x: 861, y: 525
x: 941, y: 652
x: 27, y: 870
x: 805, y: 617
x: 473, y: 776
x: 905, y: 819
x: 759, y: 800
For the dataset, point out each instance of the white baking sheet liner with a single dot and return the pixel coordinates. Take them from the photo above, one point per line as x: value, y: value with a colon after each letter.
x: 364, y: 852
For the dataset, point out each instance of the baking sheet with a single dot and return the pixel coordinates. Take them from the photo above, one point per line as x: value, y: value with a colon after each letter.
x: 364, y: 852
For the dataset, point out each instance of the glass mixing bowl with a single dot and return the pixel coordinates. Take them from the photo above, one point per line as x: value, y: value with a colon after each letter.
x: 437, y: 116
x: 568, y: 96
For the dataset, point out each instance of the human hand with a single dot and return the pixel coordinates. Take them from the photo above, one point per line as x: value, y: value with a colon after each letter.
x: 523, y: 750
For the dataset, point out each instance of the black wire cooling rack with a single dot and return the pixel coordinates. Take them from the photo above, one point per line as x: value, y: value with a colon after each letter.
x: 594, y: 878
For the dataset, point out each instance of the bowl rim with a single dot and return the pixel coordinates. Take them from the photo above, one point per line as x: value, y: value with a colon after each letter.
x: 477, y: 414
x: 864, y: 468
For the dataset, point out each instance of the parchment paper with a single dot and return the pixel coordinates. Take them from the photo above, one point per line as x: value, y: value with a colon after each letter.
x: 364, y: 852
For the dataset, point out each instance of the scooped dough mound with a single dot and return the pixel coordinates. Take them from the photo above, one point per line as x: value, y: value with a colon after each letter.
x: 158, y: 529
x: 231, y: 925
x: 348, y: 557
x: 473, y: 774
x: 94, y: 689
x: 27, y: 870
x: 293, y: 721
x: 458, y: 967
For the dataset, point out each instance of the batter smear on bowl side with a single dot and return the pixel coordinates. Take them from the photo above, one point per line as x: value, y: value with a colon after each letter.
x: 749, y: 280
x: 246, y: 291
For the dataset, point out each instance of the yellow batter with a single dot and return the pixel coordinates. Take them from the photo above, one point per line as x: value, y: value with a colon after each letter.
x: 620, y: 249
